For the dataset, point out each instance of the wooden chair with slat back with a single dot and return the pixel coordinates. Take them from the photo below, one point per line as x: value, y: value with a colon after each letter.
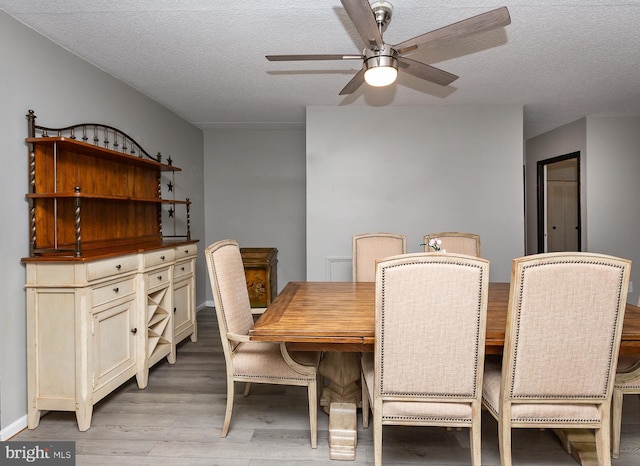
x: 457, y: 242
x: 543, y: 381
x: 253, y: 361
x: 430, y: 324
x: 627, y: 383
x: 369, y: 247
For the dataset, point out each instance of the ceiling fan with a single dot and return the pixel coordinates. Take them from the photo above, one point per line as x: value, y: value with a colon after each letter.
x: 381, y: 61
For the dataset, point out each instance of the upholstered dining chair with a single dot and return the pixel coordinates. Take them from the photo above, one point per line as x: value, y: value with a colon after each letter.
x: 251, y: 361
x: 369, y: 247
x: 563, y: 332
x: 627, y: 383
x: 454, y: 241
x: 430, y: 321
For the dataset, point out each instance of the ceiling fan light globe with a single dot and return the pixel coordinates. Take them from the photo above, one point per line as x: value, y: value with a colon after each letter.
x: 380, y: 76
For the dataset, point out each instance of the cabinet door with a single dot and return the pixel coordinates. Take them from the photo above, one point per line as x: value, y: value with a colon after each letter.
x: 183, y: 310
x: 114, y: 347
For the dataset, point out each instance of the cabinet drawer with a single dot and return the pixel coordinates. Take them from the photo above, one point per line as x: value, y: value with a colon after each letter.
x: 157, y: 278
x: 188, y: 250
x: 155, y: 258
x: 182, y: 268
x: 109, y: 267
x: 112, y: 291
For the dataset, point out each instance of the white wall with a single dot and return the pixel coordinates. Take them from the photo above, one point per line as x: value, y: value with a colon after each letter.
x: 63, y: 89
x: 255, y: 194
x: 413, y: 170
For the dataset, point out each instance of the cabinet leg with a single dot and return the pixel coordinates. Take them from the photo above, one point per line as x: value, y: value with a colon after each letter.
x: 83, y: 415
x: 194, y: 335
x: 142, y: 378
x: 33, y: 418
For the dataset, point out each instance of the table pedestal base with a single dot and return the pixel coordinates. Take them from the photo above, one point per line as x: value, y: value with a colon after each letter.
x: 342, y: 371
x: 580, y: 443
x: 343, y: 434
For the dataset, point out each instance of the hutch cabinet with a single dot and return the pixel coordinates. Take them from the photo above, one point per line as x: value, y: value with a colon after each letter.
x: 109, y: 293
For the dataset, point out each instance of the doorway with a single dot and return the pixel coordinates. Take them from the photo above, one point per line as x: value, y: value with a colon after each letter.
x: 559, y: 225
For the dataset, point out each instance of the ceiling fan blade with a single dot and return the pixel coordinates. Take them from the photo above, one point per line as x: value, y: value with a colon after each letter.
x: 312, y: 57
x: 427, y: 72
x: 354, y: 84
x: 480, y: 23
x: 365, y: 22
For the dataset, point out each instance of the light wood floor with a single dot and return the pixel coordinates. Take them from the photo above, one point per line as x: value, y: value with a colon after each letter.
x: 176, y: 420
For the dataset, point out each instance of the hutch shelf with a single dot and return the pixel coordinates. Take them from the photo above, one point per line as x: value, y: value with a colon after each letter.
x: 109, y: 293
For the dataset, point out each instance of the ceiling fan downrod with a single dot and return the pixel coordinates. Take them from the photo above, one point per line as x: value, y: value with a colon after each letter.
x: 382, y: 12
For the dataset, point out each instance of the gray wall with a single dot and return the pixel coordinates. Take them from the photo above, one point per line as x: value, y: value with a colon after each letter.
x: 413, y: 171
x: 255, y: 194
x: 564, y: 140
x: 613, y: 212
x: 63, y: 89
x: 609, y: 169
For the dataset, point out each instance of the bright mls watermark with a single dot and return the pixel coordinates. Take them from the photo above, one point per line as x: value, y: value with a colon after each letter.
x: 38, y: 453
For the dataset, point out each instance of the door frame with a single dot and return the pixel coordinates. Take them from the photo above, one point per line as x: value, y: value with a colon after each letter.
x: 541, y: 189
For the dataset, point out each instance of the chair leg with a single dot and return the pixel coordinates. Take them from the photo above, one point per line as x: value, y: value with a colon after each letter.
x: 377, y: 438
x: 616, y: 421
x: 313, y: 412
x: 603, y: 434
x: 227, y: 414
x: 247, y: 388
x: 475, y: 435
x: 504, y: 440
x: 365, y: 403
x: 475, y: 443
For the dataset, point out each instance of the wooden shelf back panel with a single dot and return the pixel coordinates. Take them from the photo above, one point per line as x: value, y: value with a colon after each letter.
x: 92, y: 175
x: 102, y: 220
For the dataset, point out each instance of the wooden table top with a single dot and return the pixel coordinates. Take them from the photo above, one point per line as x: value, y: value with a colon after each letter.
x: 339, y: 316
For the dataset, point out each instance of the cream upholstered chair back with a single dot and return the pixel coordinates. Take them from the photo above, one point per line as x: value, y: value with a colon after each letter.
x: 430, y: 324
x: 566, y: 313
x: 564, y: 325
x: 457, y: 242
x: 369, y: 247
x: 430, y: 319
x: 229, y: 286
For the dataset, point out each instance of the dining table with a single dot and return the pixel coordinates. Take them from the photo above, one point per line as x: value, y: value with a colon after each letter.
x: 338, y: 318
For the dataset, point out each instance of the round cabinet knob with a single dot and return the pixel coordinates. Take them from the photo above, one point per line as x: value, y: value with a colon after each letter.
x: 159, y: 277
x: 134, y: 330
x: 118, y: 266
x: 162, y: 257
x: 116, y: 289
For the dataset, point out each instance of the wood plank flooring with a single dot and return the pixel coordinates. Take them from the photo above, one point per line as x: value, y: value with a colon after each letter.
x: 176, y: 420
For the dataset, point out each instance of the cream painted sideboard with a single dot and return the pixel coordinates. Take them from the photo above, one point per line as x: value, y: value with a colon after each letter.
x: 110, y: 292
x: 92, y: 325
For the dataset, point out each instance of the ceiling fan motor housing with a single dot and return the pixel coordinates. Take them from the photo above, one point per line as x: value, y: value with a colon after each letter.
x: 386, y: 56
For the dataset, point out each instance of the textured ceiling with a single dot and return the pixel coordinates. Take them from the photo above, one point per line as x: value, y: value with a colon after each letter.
x: 203, y: 59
